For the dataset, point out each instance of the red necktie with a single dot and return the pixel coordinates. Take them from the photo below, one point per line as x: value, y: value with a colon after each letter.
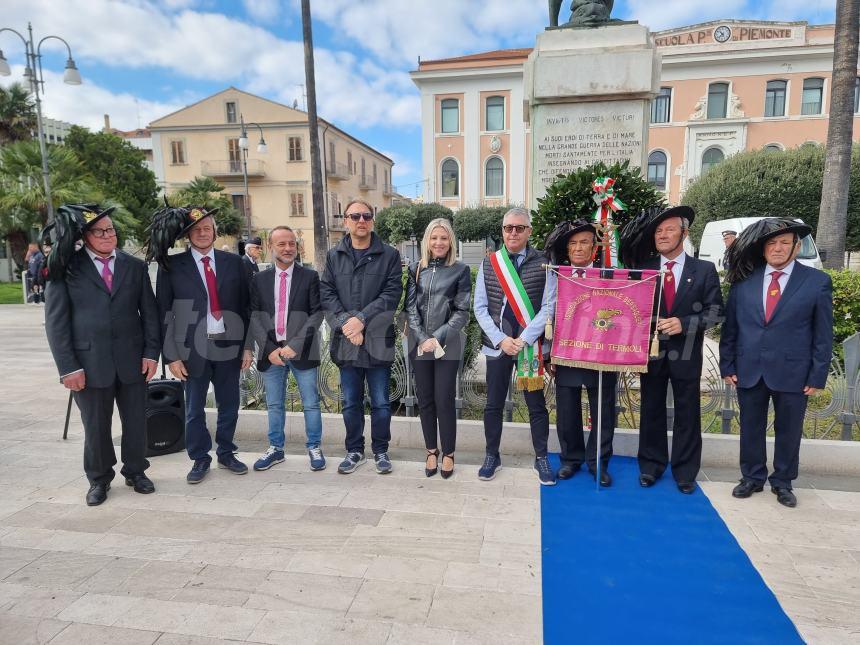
x: 107, y: 274
x: 669, y: 286
x: 281, y: 326
x: 773, y: 294
x: 212, y: 288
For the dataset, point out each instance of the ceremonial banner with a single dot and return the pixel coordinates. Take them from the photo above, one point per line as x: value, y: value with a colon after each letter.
x: 603, y: 323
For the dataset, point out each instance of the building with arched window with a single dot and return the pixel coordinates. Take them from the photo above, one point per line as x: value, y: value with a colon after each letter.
x: 726, y: 86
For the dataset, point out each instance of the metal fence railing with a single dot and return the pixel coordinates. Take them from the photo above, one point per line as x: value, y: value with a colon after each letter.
x: 834, y: 413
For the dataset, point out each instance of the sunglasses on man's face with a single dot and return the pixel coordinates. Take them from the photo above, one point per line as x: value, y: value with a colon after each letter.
x: 510, y: 228
x: 357, y: 216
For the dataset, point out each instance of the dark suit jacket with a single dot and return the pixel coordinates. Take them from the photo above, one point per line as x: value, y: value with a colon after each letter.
x: 699, y: 305
x: 251, y: 268
x: 183, y: 305
x: 105, y: 333
x: 304, y: 316
x: 791, y: 351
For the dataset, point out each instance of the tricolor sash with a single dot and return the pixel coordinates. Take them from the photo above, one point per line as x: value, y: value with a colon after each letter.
x: 529, y: 360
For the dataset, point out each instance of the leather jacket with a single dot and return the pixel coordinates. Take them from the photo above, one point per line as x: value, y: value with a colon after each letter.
x: 438, y: 305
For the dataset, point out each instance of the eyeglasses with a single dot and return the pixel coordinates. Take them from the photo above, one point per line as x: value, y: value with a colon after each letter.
x: 357, y: 216
x: 519, y: 228
x: 103, y: 232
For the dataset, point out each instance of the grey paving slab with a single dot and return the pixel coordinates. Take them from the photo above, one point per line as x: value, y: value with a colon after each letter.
x: 26, y: 630
x: 78, y: 633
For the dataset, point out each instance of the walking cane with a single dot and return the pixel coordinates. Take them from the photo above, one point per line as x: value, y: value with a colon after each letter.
x: 68, y: 414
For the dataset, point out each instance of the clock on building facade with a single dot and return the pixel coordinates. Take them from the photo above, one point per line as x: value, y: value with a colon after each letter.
x: 722, y: 33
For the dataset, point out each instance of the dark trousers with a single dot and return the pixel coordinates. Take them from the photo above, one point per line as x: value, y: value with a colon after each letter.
x: 435, y: 387
x: 571, y: 436
x: 352, y: 380
x: 96, y: 406
x: 789, y: 410
x: 224, y: 376
x: 499, y: 371
x: 653, y: 424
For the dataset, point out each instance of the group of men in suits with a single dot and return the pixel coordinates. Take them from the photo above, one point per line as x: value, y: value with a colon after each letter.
x: 775, y: 346
x: 106, y: 329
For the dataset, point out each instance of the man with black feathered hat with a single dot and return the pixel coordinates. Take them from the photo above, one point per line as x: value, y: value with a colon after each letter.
x: 203, y: 299
x: 575, y: 244
x: 102, y: 326
x: 775, y: 346
x: 690, y: 301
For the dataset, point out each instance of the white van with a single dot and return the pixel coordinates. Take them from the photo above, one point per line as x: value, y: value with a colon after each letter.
x: 712, y: 248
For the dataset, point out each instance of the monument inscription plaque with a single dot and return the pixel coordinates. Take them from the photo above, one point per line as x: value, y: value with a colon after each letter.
x: 568, y: 136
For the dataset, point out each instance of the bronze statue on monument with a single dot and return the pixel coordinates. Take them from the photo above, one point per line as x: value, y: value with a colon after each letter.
x: 583, y: 13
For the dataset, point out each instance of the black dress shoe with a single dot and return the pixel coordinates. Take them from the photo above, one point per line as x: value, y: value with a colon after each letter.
x: 784, y: 496
x: 647, y: 481
x: 141, y: 483
x: 567, y: 471
x: 97, y: 494
x: 688, y: 488
x: 746, y: 488
x: 605, y: 477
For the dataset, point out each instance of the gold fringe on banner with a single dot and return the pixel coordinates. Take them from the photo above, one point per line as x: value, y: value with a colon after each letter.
x: 639, y: 369
x: 530, y: 383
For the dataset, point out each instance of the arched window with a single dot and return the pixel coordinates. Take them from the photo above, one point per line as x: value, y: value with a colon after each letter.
x: 494, y: 177
x: 711, y: 158
x: 450, y: 115
x: 495, y: 114
x: 450, y: 178
x: 774, y: 98
x: 773, y: 147
x: 657, y: 169
x: 718, y: 100
x: 813, y: 96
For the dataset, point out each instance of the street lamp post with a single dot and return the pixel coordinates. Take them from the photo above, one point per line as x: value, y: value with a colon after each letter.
x: 33, y: 74
x: 243, y: 144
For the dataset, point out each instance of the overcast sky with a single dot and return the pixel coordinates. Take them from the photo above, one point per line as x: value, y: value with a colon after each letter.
x: 142, y: 59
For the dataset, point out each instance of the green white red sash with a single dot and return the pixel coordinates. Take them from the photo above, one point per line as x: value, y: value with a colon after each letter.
x: 529, y: 360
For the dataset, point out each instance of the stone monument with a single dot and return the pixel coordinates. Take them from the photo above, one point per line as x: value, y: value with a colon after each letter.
x: 588, y: 92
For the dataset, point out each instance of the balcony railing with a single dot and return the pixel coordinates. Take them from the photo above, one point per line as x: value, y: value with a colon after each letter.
x: 367, y: 182
x: 387, y: 189
x: 336, y: 170
x: 232, y: 168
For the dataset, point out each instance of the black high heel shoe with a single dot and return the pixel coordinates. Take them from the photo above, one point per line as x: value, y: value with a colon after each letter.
x: 429, y: 472
x: 447, y: 473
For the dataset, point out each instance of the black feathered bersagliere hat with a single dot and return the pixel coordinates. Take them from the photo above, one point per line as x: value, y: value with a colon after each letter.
x: 746, y: 253
x: 169, y: 224
x: 637, y: 237
x: 64, y: 232
x: 555, y: 245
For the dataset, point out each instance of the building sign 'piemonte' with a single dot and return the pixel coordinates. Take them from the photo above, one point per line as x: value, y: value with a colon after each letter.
x: 722, y: 33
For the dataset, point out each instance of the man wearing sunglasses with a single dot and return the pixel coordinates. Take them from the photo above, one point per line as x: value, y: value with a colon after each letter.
x: 508, y: 333
x: 360, y: 290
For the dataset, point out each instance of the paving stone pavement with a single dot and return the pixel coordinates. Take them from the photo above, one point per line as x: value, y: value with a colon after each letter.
x: 290, y: 556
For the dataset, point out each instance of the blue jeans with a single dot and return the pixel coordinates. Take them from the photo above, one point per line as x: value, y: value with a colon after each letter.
x: 352, y: 381
x: 275, y: 380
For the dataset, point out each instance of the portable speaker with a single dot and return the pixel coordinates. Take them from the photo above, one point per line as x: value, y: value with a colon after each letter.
x: 165, y: 417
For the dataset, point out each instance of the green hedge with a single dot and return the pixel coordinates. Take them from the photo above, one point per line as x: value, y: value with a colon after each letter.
x: 846, y: 306
x: 763, y: 183
x: 396, y: 224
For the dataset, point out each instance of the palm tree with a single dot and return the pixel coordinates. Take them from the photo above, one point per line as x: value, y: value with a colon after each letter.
x: 832, y: 219
x: 206, y: 192
x: 23, y: 206
x: 17, y: 113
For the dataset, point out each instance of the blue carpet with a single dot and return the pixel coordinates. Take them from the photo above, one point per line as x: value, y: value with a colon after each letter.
x: 634, y: 565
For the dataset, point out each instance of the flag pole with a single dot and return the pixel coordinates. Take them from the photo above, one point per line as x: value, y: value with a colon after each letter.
x: 599, y: 423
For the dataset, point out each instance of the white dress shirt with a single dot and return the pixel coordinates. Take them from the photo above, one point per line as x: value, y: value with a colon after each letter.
x: 212, y: 326
x: 677, y: 269
x: 98, y: 263
x: 783, y: 281
x: 278, y: 272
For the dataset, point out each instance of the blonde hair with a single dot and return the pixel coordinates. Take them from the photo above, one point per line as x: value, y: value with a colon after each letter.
x: 427, y: 254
